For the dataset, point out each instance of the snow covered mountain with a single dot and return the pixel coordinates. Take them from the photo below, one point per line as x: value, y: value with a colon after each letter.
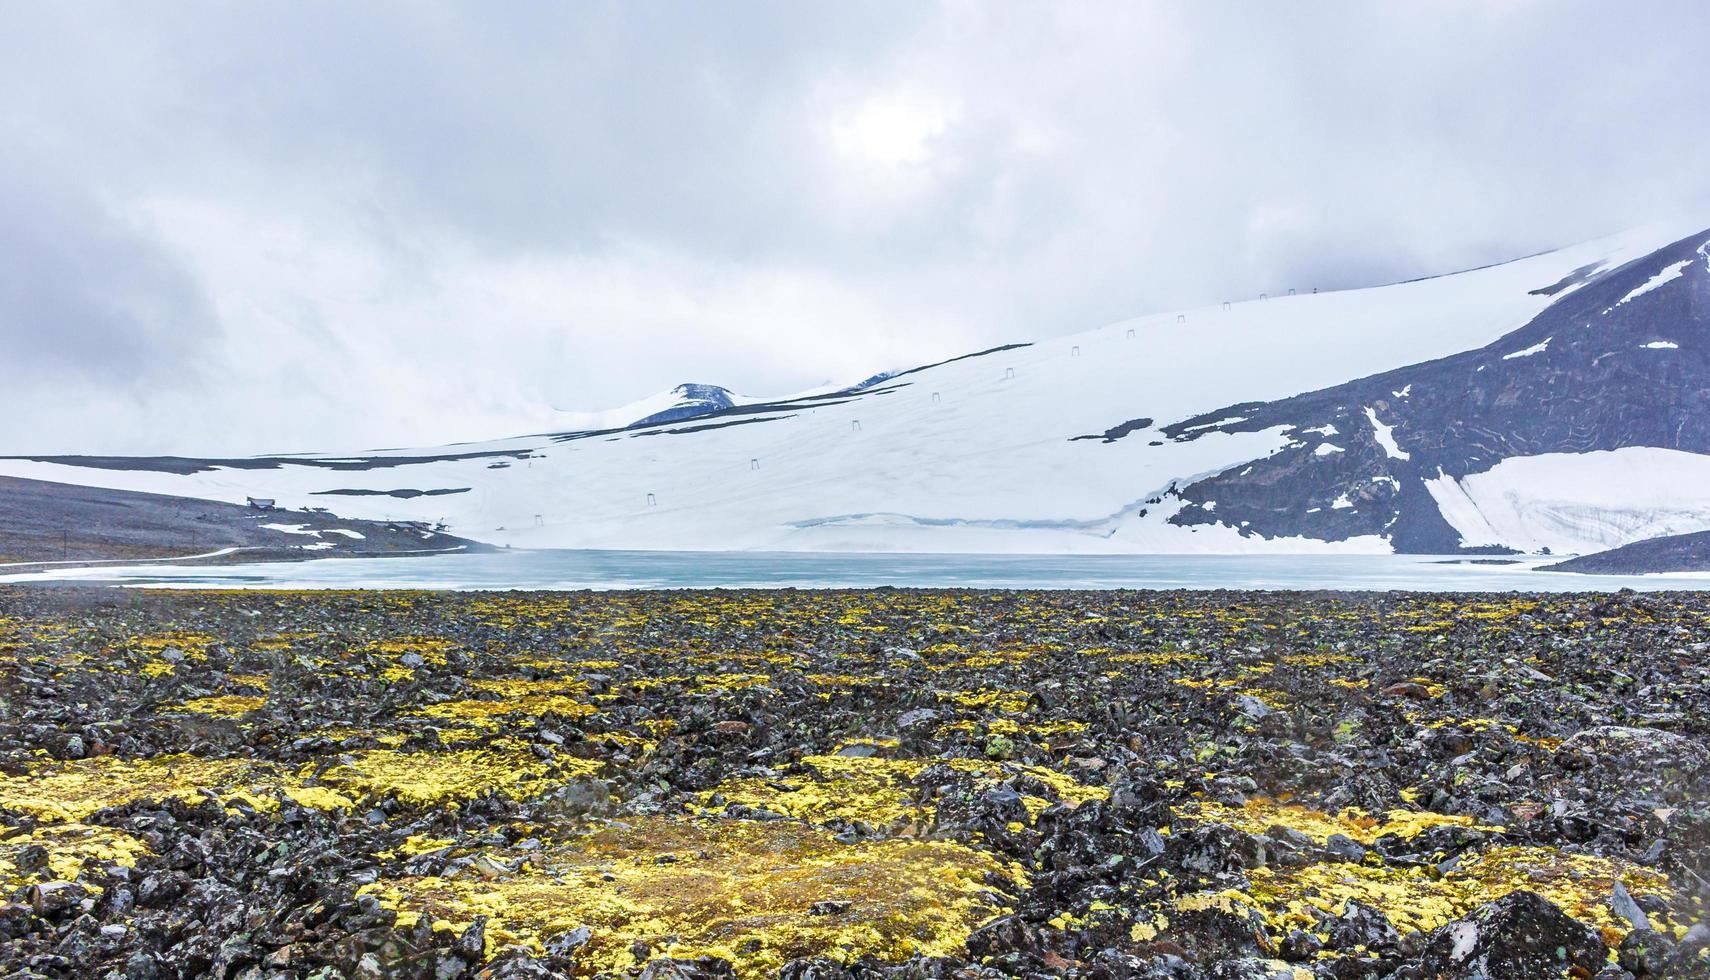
x: 1556, y: 401
x: 682, y: 402
x: 1586, y: 429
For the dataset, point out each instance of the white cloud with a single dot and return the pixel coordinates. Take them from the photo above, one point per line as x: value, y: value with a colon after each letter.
x: 891, y: 130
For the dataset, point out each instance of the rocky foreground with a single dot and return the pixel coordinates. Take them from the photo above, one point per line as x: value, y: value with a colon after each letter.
x: 878, y: 784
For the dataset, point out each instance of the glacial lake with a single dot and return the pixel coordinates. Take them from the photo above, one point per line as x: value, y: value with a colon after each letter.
x: 685, y: 570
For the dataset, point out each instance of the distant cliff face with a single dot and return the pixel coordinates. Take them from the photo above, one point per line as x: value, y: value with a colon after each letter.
x: 1435, y: 455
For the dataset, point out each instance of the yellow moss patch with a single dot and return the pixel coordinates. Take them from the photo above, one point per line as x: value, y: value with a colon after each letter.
x: 1067, y: 788
x: 516, y: 687
x: 622, y: 740
x: 736, y: 889
x: 430, y: 778
x: 420, y: 844
x: 68, y: 847
x: 883, y: 745
x: 1008, y: 702
x: 1205, y: 684
x: 1318, y: 659
x: 432, y: 649
x: 191, y: 643
x: 1012, y: 728
x: 487, y: 714
x: 1260, y: 814
x: 842, y: 680
x: 876, y: 790
x: 729, y: 682
x: 73, y: 791
x: 1272, y: 699
x: 339, y: 733
x: 70, y: 791
x: 1417, y: 900
x: 224, y: 705
x: 317, y: 797
x: 872, y: 790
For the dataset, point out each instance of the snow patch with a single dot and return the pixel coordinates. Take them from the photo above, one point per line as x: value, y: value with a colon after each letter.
x: 1341, y: 503
x: 1663, y: 278
x: 352, y: 535
x: 1385, y: 436
x: 1574, y: 503
x: 1661, y: 345
x: 1322, y: 430
x: 1537, y: 348
x: 1220, y: 423
x: 1406, y: 389
x: 293, y: 529
x: 1325, y: 449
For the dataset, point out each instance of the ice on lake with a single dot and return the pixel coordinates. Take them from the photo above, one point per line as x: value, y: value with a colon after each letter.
x: 564, y: 569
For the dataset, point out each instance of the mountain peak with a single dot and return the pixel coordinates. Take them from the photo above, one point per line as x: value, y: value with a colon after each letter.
x: 693, y: 399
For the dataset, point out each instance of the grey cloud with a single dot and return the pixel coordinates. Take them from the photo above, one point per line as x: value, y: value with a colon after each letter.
x: 671, y: 163
x: 85, y: 296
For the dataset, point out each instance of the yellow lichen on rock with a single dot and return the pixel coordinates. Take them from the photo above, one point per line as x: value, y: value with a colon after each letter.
x: 876, y: 791
x: 487, y: 714
x: 1260, y: 814
x: 712, y: 683
x: 1067, y: 788
x: 431, y: 649
x: 519, y: 687
x: 870, y: 790
x: 843, y: 680
x: 756, y: 893
x: 68, y: 846
x: 997, y: 699
x: 70, y: 791
x: 317, y: 797
x: 190, y: 643
x: 1417, y: 899
x: 432, y: 778
x: 222, y: 706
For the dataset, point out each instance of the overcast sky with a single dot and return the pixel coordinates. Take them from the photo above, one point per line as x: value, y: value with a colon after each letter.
x: 250, y: 227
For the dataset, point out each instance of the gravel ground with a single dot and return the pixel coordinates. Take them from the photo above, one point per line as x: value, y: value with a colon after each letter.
x: 839, y: 784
